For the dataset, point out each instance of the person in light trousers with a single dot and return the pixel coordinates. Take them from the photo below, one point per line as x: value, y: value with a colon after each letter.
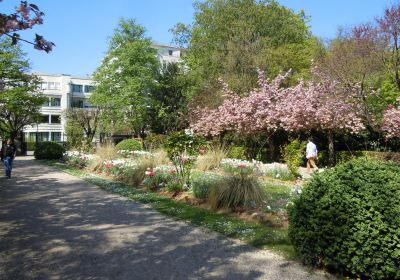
x: 311, y: 155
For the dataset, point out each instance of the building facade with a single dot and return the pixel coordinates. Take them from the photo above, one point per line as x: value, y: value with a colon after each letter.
x: 62, y: 92
x: 65, y: 91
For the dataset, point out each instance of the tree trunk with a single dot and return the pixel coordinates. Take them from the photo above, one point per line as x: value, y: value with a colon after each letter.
x: 331, y: 148
x: 271, y: 148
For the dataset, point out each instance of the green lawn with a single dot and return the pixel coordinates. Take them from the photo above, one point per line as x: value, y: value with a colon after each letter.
x: 260, y: 236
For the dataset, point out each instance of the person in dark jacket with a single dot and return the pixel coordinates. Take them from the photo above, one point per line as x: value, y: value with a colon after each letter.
x: 8, y: 153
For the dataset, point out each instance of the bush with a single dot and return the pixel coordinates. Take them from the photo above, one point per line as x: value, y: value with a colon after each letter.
x: 30, y: 146
x: 182, y: 149
x: 348, y: 219
x: 154, y: 141
x: 237, y: 152
x: 129, y: 144
x: 203, y: 182
x: 293, y: 155
x: 241, y: 188
x: 48, y: 150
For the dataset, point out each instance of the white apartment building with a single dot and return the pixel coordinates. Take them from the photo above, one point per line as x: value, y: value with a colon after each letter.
x: 167, y: 54
x: 65, y: 91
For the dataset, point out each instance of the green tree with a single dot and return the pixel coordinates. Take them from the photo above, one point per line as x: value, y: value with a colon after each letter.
x: 168, y: 107
x: 20, y: 99
x: 126, y: 76
x: 82, y: 125
x: 230, y: 39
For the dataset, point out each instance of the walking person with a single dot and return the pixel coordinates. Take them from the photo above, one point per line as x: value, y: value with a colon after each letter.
x: 8, y: 153
x: 311, y: 155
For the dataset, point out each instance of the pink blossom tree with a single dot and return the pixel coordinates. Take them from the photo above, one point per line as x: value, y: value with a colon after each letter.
x: 320, y: 104
x: 391, y: 122
x: 323, y: 105
x: 254, y: 113
x: 25, y: 17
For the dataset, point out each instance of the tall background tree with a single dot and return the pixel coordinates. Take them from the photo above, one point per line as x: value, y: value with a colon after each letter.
x: 20, y: 99
x: 126, y: 77
x: 168, y: 107
x: 230, y: 39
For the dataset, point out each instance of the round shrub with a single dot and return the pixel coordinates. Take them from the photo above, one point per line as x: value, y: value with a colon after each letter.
x: 347, y: 219
x: 48, y: 150
x: 129, y: 145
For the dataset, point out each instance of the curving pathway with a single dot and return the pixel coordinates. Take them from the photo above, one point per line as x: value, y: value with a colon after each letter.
x: 56, y: 226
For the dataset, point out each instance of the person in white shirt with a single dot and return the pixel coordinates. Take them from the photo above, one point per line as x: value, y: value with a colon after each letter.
x: 311, y: 155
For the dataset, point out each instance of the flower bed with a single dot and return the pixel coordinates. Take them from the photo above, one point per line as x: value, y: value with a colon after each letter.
x: 236, y: 184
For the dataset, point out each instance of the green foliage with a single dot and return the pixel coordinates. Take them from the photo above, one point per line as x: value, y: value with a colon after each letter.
x: 75, y: 136
x: 82, y: 125
x: 203, y: 182
x: 180, y: 142
x: 182, y: 149
x: 347, y: 219
x: 293, y: 155
x: 168, y: 102
x: 230, y: 39
x: 20, y: 100
x: 129, y: 145
x: 240, y: 188
x: 154, y: 141
x: 31, y: 146
x: 175, y: 185
x: 157, y: 178
x: 48, y: 150
x: 237, y: 152
x: 280, y: 173
x: 127, y: 73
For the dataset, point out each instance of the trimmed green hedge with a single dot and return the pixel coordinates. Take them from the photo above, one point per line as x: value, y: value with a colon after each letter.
x: 49, y: 150
x: 347, y: 219
x: 344, y: 156
x: 129, y: 144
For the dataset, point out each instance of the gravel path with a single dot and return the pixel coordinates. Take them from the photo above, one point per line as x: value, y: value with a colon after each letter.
x: 56, y: 226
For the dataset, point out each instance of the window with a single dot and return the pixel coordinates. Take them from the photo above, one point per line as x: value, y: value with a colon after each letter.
x: 170, y: 52
x: 55, y: 101
x: 46, y: 103
x: 44, y: 119
x: 55, y: 119
x: 32, y: 137
x: 54, y: 85
x: 56, y: 136
x: 43, y: 136
x: 89, y: 88
x: 76, y: 88
x: 77, y: 103
x: 43, y: 86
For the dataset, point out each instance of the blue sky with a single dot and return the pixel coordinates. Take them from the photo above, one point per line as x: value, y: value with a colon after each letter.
x: 80, y: 29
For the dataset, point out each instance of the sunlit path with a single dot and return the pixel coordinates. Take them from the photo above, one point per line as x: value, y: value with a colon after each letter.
x: 55, y: 226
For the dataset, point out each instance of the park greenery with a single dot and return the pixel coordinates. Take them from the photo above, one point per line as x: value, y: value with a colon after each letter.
x: 20, y: 99
x: 253, y: 83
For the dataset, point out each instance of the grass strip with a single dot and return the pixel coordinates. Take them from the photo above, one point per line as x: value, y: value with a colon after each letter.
x: 257, y: 235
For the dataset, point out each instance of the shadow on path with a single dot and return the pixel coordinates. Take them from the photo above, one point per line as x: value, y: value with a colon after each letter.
x: 55, y: 226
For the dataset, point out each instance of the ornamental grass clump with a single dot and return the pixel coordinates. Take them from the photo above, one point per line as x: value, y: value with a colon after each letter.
x: 241, y: 187
x: 212, y: 158
x: 347, y: 219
